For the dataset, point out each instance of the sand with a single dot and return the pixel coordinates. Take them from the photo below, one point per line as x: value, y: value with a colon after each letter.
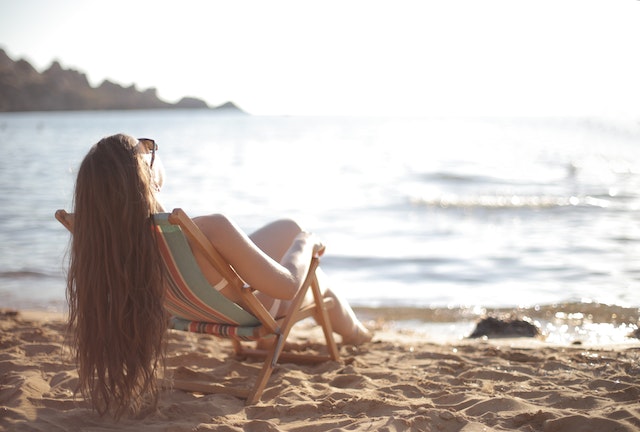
x: 397, y: 382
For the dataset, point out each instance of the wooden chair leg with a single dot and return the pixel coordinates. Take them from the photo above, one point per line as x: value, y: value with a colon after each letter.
x: 325, y: 322
x: 237, y: 346
x: 267, y: 369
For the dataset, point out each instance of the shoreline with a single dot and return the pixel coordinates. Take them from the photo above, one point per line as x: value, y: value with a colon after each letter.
x: 565, y: 324
x: 397, y: 382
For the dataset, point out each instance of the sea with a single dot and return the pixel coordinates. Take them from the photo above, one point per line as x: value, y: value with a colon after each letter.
x: 431, y: 223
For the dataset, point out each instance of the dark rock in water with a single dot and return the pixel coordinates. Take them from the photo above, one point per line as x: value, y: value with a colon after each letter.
x: 504, y: 328
x: 634, y: 334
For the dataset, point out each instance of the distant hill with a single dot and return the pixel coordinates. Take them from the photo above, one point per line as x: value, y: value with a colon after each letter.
x: 23, y: 88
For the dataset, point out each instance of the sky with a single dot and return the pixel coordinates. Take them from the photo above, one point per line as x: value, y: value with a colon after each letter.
x: 388, y: 58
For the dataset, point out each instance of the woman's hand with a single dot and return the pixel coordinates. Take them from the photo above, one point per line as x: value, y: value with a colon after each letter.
x: 318, y: 245
x: 318, y: 249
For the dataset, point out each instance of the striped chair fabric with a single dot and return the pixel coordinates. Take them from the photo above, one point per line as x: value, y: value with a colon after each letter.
x: 197, y: 306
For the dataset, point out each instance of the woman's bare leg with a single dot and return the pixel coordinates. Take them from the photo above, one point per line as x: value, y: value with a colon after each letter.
x: 274, y: 239
x: 343, y: 319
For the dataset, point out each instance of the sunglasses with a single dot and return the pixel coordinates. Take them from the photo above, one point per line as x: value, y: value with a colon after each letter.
x: 151, y: 146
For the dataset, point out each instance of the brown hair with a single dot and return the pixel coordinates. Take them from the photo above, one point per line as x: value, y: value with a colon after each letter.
x: 115, y: 279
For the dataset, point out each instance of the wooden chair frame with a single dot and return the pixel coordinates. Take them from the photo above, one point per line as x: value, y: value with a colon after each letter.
x: 270, y: 328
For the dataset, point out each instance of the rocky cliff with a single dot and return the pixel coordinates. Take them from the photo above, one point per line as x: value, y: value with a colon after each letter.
x: 23, y: 88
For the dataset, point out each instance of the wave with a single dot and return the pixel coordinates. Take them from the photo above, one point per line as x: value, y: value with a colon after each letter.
x: 453, y: 178
x: 515, y: 202
x: 354, y: 261
x: 26, y: 274
x: 567, y: 313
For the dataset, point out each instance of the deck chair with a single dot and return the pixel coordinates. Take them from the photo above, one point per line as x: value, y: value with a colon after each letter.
x: 196, y: 306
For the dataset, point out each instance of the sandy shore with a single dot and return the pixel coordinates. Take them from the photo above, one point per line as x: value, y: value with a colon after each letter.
x: 398, y: 382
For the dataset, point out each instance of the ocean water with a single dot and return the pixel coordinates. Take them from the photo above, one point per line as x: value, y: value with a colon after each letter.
x: 434, y: 214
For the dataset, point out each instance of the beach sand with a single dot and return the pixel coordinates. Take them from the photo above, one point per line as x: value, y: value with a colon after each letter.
x: 397, y: 382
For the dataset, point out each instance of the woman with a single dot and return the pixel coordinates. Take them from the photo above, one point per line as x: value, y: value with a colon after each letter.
x: 115, y: 280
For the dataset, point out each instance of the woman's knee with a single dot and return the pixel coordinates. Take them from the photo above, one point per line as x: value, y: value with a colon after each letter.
x: 282, y: 228
x: 288, y: 227
x: 276, y: 237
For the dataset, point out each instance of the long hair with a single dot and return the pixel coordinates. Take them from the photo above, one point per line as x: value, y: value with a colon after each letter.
x: 115, y: 279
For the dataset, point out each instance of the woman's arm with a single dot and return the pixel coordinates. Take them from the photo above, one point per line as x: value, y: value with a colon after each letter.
x: 277, y: 279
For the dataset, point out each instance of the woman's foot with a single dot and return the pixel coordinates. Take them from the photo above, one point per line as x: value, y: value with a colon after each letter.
x: 359, y: 336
